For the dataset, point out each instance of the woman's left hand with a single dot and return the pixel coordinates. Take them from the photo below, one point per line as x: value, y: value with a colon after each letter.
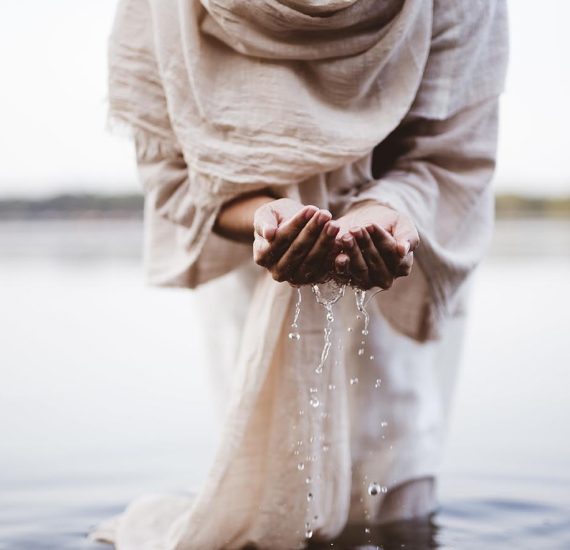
x: 377, y: 246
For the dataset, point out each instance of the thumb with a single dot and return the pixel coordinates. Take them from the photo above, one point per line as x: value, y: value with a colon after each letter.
x: 265, y: 222
x: 406, y: 236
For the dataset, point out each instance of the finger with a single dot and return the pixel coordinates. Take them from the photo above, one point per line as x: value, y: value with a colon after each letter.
x: 405, y: 267
x: 406, y: 236
x: 358, y: 268
x: 378, y: 272
x: 386, y: 245
x: 265, y: 222
x: 261, y: 251
x: 294, y: 255
x: 342, y: 267
x: 287, y: 231
x: 316, y: 263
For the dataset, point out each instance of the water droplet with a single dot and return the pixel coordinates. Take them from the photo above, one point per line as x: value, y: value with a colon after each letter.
x: 308, y: 533
x: 325, y: 448
x: 367, y: 530
x: 313, y: 390
x: 308, y: 481
x: 332, y: 387
x: 371, y: 358
x: 364, y: 332
x: 373, y: 489
x: 294, y: 336
x: 309, y: 497
x: 349, y: 329
x: 319, y: 370
x: 383, y: 424
x: 378, y: 383
x: 301, y: 412
x: 300, y: 466
x: 330, y: 317
x: 361, y: 351
x: 384, y: 489
x: 314, y: 402
x: 358, y: 317
x: 353, y: 381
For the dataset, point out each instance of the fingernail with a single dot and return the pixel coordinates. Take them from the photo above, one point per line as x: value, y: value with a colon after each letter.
x: 269, y: 233
x: 310, y: 212
x: 348, y: 241
x: 332, y: 229
x: 370, y: 228
x: 406, y: 247
x: 357, y: 232
x: 324, y: 217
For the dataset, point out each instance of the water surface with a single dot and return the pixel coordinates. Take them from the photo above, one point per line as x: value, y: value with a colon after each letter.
x: 97, y: 406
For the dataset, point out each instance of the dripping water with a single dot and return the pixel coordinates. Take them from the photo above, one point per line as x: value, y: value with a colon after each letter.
x: 327, y: 302
x: 294, y: 334
x: 360, y: 296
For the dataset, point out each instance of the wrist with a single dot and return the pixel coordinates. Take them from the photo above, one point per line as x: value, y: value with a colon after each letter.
x: 235, y: 220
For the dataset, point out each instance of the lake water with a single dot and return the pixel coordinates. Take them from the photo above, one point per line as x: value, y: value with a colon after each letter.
x: 97, y: 406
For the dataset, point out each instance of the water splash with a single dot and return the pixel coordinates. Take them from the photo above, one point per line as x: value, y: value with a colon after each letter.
x: 327, y: 299
x: 375, y: 489
x: 295, y: 335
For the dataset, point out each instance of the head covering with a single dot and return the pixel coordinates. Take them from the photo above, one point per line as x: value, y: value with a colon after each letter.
x: 268, y: 90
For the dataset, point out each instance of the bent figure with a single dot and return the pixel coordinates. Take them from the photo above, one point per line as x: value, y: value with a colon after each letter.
x: 283, y: 144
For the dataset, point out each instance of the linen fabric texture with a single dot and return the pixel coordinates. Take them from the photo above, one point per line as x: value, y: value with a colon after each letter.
x: 332, y: 103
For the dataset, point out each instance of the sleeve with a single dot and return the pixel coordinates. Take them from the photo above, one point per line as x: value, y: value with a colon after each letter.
x: 180, y: 248
x: 441, y: 179
x: 437, y: 166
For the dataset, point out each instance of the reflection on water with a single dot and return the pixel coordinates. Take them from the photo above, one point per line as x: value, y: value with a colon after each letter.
x: 94, y: 411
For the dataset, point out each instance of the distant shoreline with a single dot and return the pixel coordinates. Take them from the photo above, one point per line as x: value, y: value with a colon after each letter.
x: 130, y: 207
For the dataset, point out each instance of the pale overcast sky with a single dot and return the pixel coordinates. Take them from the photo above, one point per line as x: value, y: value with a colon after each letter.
x: 52, y: 100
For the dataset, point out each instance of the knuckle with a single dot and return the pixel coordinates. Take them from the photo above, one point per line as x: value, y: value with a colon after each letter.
x: 278, y: 276
x: 259, y: 258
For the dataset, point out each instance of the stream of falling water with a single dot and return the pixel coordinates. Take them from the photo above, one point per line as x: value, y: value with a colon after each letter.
x: 360, y: 296
x: 327, y: 302
x: 295, y: 334
x: 327, y: 298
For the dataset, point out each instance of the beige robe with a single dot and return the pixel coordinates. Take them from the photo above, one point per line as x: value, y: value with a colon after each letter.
x: 287, y: 469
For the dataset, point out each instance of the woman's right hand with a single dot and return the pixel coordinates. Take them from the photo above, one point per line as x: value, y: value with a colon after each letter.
x: 295, y: 243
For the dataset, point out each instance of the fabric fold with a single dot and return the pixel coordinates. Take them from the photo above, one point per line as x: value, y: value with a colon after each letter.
x: 228, y: 96
x: 270, y: 460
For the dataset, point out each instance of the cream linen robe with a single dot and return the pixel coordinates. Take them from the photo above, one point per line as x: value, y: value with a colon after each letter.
x: 256, y: 491
x: 276, y: 447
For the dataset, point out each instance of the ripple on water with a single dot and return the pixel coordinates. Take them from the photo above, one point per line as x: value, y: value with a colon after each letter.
x: 462, y: 524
